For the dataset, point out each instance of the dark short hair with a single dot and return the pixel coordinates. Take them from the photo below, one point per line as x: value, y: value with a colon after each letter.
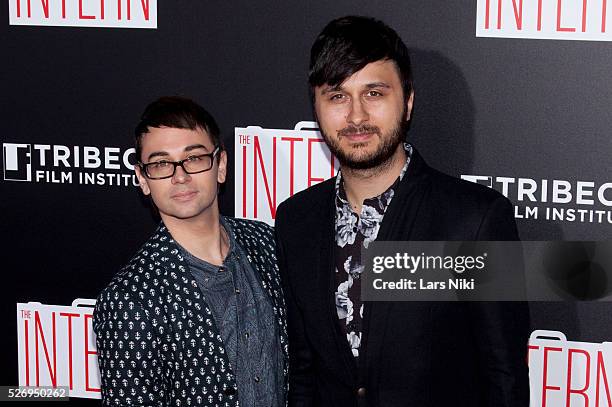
x: 179, y: 113
x: 347, y: 44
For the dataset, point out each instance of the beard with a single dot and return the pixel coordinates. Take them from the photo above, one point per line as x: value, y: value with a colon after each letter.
x: 354, y: 158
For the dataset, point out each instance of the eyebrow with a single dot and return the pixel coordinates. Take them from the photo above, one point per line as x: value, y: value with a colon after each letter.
x: 368, y: 86
x: 378, y: 85
x: 186, y: 149
x: 195, y: 147
x: 331, y: 89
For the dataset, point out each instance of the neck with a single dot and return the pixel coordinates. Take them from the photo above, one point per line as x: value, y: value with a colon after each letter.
x: 203, y: 237
x: 362, y: 184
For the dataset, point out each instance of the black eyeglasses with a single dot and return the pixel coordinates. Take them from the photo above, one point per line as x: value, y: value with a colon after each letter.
x: 191, y: 165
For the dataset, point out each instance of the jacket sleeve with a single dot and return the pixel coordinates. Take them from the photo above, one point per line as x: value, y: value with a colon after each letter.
x: 129, y: 357
x: 301, y: 372
x: 502, y: 328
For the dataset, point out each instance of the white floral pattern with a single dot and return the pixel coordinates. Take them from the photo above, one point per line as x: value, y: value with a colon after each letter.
x: 346, y: 226
x: 370, y: 221
x: 344, y: 305
x: 385, y: 199
x: 354, y: 340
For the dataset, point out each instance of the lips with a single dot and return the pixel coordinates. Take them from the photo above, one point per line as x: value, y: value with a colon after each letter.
x: 359, y: 134
x: 184, y: 195
x: 358, y: 137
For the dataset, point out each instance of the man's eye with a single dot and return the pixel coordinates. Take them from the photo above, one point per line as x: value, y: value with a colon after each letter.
x: 160, y: 164
x: 374, y: 93
x: 194, y: 158
x: 337, y: 96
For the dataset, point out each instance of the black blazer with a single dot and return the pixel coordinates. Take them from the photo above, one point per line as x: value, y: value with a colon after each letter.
x: 412, y: 354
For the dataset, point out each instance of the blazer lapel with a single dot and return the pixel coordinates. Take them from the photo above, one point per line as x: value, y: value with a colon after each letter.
x: 398, y: 224
x: 270, y: 278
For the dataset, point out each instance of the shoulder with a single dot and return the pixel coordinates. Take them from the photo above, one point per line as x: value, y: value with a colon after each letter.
x: 251, y: 234
x: 474, y: 211
x: 307, y: 202
x: 248, y: 228
x: 247, y: 224
x: 257, y: 241
x: 464, y: 194
x: 158, y: 256
x: 313, y: 194
x: 445, y: 191
x: 112, y: 299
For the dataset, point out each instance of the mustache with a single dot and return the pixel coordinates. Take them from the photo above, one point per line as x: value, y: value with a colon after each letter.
x: 365, y: 128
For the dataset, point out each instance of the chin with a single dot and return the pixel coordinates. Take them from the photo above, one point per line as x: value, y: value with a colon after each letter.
x: 360, y: 159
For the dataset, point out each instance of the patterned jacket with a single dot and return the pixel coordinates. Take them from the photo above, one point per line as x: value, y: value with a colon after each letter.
x: 158, y: 344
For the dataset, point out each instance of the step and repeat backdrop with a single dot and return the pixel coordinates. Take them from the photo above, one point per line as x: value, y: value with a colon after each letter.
x: 512, y: 94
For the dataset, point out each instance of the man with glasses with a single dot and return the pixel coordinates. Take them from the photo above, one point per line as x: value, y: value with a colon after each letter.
x: 197, y: 316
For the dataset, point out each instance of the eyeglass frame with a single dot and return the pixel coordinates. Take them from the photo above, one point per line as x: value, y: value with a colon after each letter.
x: 180, y: 163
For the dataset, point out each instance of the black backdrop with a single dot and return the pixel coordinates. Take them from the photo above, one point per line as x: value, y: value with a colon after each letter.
x: 519, y: 108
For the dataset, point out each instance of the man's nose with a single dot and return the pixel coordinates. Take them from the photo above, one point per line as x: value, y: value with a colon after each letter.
x: 180, y: 176
x: 358, y: 113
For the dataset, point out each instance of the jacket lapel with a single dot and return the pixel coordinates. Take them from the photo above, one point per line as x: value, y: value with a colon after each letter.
x: 270, y: 280
x: 398, y: 224
x: 183, y: 288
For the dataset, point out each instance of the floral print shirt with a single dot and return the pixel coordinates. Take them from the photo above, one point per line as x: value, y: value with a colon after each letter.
x: 352, y: 231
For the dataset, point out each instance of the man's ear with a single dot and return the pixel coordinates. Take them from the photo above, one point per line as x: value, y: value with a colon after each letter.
x: 409, y: 104
x: 222, y: 170
x: 142, y: 180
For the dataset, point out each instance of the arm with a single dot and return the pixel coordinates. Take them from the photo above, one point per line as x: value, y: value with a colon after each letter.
x: 501, y: 329
x: 301, y: 372
x: 131, y: 367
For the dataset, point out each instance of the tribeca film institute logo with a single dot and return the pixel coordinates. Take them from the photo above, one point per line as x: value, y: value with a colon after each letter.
x: 554, y: 200
x: 84, y: 13
x: 58, y: 164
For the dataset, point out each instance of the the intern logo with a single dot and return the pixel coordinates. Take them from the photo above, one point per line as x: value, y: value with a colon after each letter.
x: 84, y: 13
x: 273, y: 164
x: 17, y: 159
x: 585, y: 20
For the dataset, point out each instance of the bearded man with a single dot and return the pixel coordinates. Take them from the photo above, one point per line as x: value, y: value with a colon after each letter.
x: 347, y: 352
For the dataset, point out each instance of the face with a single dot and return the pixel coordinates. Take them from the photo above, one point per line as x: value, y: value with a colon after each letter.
x: 182, y: 196
x: 362, y: 119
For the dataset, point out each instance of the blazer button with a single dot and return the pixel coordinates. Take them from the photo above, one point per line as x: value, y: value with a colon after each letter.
x: 230, y: 391
x: 361, y: 392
